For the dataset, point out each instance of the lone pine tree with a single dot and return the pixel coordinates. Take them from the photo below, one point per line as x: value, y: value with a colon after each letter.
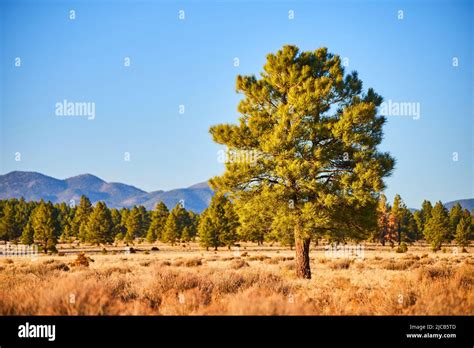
x: 309, y: 135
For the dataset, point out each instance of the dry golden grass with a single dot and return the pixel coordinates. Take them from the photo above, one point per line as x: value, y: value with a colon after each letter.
x: 257, y: 281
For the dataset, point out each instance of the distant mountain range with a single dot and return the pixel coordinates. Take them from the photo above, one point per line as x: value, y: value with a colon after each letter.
x: 34, y: 186
x: 465, y: 204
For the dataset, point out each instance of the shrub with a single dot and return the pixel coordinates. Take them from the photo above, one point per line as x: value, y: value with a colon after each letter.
x: 193, y: 262
x: 398, y: 266
x: 272, y: 261
x: 340, y: 264
x: 258, y: 258
x: 82, y: 260
x: 61, y: 267
x: 236, y: 264
x: 435, y: 272
x: 402, y: 248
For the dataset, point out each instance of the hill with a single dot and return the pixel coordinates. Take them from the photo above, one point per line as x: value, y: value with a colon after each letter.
x: 36, y: 186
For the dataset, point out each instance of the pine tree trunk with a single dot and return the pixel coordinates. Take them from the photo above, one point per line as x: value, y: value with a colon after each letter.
x: 303, y: 269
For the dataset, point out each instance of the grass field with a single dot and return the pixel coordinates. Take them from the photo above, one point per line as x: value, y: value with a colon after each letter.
x: 254, y: 280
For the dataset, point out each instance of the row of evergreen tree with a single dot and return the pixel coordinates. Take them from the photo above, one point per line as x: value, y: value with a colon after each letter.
x: 397, y: 224
x: 222, y: 224
x: 45, y: 223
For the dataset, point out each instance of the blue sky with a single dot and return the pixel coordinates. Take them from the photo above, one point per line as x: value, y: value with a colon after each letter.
x: 190, y: 62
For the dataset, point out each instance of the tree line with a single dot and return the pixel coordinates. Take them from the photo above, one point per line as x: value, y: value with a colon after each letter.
x: 46, y: 224
x: 223, y: 224
x: 436, y: 225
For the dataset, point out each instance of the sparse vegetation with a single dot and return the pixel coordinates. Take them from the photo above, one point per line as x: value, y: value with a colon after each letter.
x: 137, y: 284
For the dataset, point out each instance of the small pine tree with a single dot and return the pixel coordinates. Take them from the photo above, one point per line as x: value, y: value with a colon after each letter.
x: 398, y: 218
x: 424, y: 215
x: 81, y: 217
x: 158, y: 221
x: 219, y: 223
x: 8, y: 224
x: 186, y: 235
x: 144, y: 221
x: 192, y: 224
x: 178, y: 219
x: 45, y: 226
x: 63, y: 219
x: 99, y: 228
x: 382, y: 219
x: 229, y: 225
x: 134, y: 225
x: 172, y: 233
x: 117, y: 226
x: 208, y: 234
x: 392, y: 231
x: 22, y: 213
x: 455, y: 216
x: 437, y: 229
x: 27, y: 236
x: 463, y: 230
x: 418, y: 221
x: 411, y: 232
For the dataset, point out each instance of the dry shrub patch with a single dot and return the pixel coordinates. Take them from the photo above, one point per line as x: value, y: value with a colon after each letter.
x: 340, y: 264
x: 258, y: 258
x: 434, y: 272
x: 193, y: 262
x: 398, y: 265
x: 82, y: 260
x: 236, y: 264
x: 179, y: 284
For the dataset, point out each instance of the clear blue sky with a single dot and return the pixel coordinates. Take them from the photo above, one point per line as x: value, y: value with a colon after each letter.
x: 190, y: 62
